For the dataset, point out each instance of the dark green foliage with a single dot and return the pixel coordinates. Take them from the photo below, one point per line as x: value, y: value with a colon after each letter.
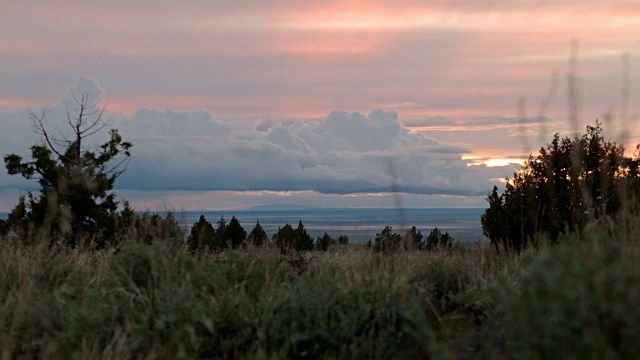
x: 325, y: 320
x: 578, y: 300
x: 171, y: 229
x: 413, y: 239
x: 151, y: 302
x: 203, y: 237
x: 146, y: 228
x: 234, y: 233
x: 306, y: 241
x: 75, y: 205
x: 437, y: 239
x: 343, y: 240
x: 493, y: 219
x: 387, y: 241
x: 568, y: 185
x: 17, y: 220
x: 287, y: 239
x: 4, y: 227
x: 221, y: 229
x: 325, y: 242
x: 258, y: 237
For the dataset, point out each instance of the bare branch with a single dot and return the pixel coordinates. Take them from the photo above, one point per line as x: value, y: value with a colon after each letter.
x: 40, y: 128
x: 98, y: 124
x: 117, y: 172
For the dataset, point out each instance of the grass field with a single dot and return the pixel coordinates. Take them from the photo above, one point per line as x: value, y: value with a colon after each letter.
x: 576, y: 300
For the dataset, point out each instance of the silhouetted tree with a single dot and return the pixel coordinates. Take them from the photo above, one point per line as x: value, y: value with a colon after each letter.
x: 437, y: 239
x: 287, y: 239
x: 171, y: 229
x: 4, y: 227
x: 17, y: 220
x: 235, y: 233
x: 494, y: 219
x: 387, y: 241
x: 413, y: 239
x: 203, y: 237
x: 75, y: 204
x: 306, y: 241
x: 570, y: 183
x: 258, y: 236
x: 221, y: 229
x: 133, y: 227
x: 325, y: 242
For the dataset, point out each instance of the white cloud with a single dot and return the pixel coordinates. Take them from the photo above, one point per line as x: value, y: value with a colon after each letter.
x: 342, y: 153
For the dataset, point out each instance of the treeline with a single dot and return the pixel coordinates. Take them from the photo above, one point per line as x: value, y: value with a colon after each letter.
x: 205, y: 237
x: 572, y: 182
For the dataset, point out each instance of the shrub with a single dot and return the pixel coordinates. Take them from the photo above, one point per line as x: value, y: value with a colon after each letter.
x: 289, y: 239
x: 576, y: 301
x: 387, y: 241
x: 438, y: 239
x: 203, y: 237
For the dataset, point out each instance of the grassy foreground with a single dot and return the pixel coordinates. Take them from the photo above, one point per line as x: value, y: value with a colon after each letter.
x: 576, y: 300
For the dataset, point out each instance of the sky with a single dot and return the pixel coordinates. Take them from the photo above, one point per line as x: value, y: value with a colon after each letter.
x: 403, y: 103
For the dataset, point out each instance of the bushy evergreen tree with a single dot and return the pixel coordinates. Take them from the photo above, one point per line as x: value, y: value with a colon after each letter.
x: 571, y: 182
x: 343, y: 240
x: 287, y: 239
x: 325, y: 242
x: 203, y: 237
x: 438, y: 239
x: 413, y: 239
x: 258, y: 236
x: 221, y: 229
x: 4, y: 227
x: 235, y: 233
x: 493, y: 219
x: 75, y: 204
x: 305, y: 240
x: 171, y: 229
x: 387, y: 241
x: 146, y: 228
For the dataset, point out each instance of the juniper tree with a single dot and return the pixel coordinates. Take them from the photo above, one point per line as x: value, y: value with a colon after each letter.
x: 306, y: 241
x: 287, y: 239
x: 75, y: 204
x: 203, y: 237
x: 438, y: 239
x: 258, y: 236
x: 571, y: 182
x: 235, y: 233
x: 387, y: 241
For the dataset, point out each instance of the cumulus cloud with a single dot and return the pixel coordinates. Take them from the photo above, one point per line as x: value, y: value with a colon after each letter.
x: 339, y: 154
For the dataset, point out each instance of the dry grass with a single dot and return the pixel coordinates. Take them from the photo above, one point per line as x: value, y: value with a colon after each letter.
x: 156, y: 301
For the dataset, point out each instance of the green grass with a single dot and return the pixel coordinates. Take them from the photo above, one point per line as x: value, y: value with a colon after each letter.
x: 577, y: 300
